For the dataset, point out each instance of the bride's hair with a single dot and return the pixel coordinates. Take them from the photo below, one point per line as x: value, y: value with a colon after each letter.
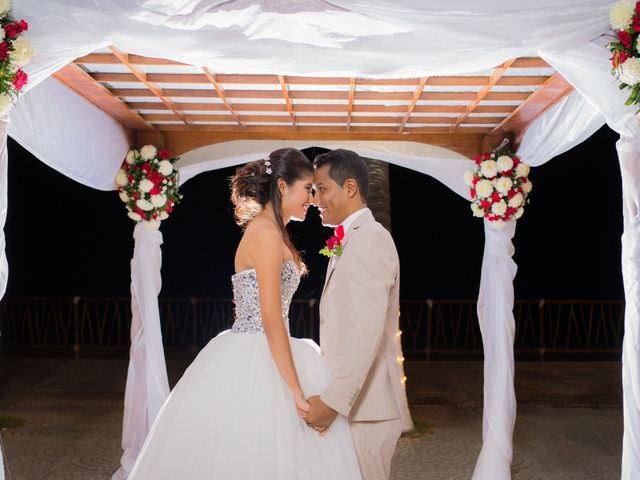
x: 256, y: 184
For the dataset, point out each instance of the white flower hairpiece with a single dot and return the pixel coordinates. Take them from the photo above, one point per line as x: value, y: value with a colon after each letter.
x: 268, y: 165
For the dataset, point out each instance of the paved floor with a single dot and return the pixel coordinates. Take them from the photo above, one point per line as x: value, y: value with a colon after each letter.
x: 569, y: 423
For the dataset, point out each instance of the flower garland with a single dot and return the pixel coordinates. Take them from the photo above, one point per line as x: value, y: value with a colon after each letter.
x: 148, y: 185
x: 625, y: 62
x: 15, y: 52
x: 499, y: 186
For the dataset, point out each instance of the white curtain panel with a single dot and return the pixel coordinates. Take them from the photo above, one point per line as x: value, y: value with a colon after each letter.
x: 497, y: 325
x: 147, y: 384
x: 629, y: 155
x: 71, y: 135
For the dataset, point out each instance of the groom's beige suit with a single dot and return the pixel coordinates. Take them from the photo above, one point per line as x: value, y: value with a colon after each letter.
x: 359, y: 312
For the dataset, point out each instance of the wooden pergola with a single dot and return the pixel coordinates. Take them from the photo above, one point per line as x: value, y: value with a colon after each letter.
x: 182, y: 107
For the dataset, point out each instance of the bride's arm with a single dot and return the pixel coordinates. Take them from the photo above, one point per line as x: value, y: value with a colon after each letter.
x: 268, y: 259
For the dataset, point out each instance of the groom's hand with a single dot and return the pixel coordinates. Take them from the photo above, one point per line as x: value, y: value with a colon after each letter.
x: 320, y: 415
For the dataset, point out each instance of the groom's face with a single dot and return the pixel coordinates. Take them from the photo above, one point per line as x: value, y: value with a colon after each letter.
x: 330, y: 198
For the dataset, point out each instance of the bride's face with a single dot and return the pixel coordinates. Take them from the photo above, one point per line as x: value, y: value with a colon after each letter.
x: 296, y: 198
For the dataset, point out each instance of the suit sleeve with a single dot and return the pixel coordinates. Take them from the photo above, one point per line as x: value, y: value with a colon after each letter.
x: 372, y: 267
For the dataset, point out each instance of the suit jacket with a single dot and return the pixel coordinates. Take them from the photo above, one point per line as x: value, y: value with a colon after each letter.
x: 359, y: 311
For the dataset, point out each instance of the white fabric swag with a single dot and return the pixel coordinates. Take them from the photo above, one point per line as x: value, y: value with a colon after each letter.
x: 373, y: 38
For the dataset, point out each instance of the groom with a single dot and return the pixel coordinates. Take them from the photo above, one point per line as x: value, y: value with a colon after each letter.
x: 359, y: 312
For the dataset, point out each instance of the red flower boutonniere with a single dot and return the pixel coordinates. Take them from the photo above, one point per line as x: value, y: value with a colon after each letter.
x: 334, y: 243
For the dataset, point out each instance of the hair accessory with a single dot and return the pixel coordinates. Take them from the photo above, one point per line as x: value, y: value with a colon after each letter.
x: 268, y: 165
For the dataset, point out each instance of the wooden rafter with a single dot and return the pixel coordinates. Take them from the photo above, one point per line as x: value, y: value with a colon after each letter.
x: 220, y: 91
x: 496, y: 75
x: 412, y: 105
x: 552, y: 91
x: 352, y: 91
x: 287, y: 99
x: 79, y: 81
x: 124, y: 58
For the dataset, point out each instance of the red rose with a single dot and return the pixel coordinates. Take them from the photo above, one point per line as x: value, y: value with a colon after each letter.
x: 625, y: 38
x: 154, y: 216
x: 511, y: 211
x: 339, y: 232
x: 164, y: 154
x: 4, y: 50
x: 155, y: 177
x: 495, y: 197
x: 130, y: 178
x: 138, y: 210
x: 637, y: 8
x: 146, y: 167
x: 486, y: 204
x: 473, y: 193
x: 331, y: 242
x: 636, y: 26
x: 511, y: 194
x: 168, y: 210
x: 24, y: 25
x: 486, y: 155
x: 523, y: 179
x: 155, y: 191
x: 14, y: 29
x: 478, y: 160
x: 516, y: 161
x: 20, y: 80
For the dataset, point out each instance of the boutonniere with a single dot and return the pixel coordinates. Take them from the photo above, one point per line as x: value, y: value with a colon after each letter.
x: 333, y: 248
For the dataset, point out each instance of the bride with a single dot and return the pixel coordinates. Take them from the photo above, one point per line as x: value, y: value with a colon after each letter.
x: 237, y: 412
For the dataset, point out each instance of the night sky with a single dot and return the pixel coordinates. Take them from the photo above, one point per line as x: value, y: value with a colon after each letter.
x: 65, y: 239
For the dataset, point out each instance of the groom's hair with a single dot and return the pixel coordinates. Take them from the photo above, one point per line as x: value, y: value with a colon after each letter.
x: 345, y: 164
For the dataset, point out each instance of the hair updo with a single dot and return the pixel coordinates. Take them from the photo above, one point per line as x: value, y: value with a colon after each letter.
x: 256, y: 183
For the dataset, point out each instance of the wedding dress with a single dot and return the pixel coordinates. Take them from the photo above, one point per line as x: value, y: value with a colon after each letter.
x: 231, y: 415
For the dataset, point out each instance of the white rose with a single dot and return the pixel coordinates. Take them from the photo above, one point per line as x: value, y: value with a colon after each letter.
x: 519, y: 212
x: 477, y: 210
x: 484, y: 189
x: 516, y: 201
x: 522, y: 170
x: 5, y: 6
x: 621, y: 14
x: 123, y: 196
x: 469, y: 174
x: 145, y: 185
x: 5, y: 103
x: 2, y: 33
x: 145, y: 205
x: 152, y: 224
x: 505, y: 163
x: 134, y: 216
x: 489, y: 168
x: 165, y: 167
x: 158, y: 200
x: 164, y: 215
x: 121, y: 178
x: 630, y: 71
x: 22, y: 51
x: 503, y: 185
x: 131, y: 156
x: 148, y: 152
x: 526, y: 187
x: 499, y: 208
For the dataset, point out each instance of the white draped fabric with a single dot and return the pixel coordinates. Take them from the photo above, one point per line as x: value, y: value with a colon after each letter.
x: 147, y: 384
x: 4, y: 265
x: 371, y: 38
x: 495, y: 314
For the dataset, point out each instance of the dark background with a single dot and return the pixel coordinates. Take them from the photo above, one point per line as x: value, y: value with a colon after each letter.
x: 65, y: 239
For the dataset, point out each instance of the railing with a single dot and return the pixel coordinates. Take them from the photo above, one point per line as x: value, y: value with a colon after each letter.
x: 431, y: 328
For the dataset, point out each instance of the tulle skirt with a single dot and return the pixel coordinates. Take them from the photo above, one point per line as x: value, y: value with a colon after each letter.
x: 231, y: 416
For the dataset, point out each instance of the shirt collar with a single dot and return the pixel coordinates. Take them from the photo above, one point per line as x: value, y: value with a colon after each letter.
x: 351, y: 218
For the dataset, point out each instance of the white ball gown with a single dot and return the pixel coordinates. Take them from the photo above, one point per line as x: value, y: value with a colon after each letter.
x: 231, y: 415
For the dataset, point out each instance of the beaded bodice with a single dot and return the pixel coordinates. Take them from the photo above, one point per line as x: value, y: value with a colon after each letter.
x: 248, y: 318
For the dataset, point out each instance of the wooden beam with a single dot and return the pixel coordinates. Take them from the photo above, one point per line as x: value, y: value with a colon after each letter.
x: 496, y: 74
x: 124, y: 58
x: 111, y: 59
x: 414, y: 100
x: 553, y: 90
x: 80, y: 82
x: 220, y: 91
x: 352, y: 91
x: 285, y: 94
x: 186, y: 140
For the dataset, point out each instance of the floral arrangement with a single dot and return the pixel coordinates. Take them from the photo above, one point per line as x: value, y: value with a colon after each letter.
x: 625, y: 62
x: 499, y: 186
x: 15, y: 52
x: 333, y: 247
x: 148, y: 185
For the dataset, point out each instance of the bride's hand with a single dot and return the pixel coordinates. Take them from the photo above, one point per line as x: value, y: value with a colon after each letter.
x: 301, y: 404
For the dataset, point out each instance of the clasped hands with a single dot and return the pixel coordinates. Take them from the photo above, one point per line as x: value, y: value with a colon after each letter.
x: 317, y: 414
